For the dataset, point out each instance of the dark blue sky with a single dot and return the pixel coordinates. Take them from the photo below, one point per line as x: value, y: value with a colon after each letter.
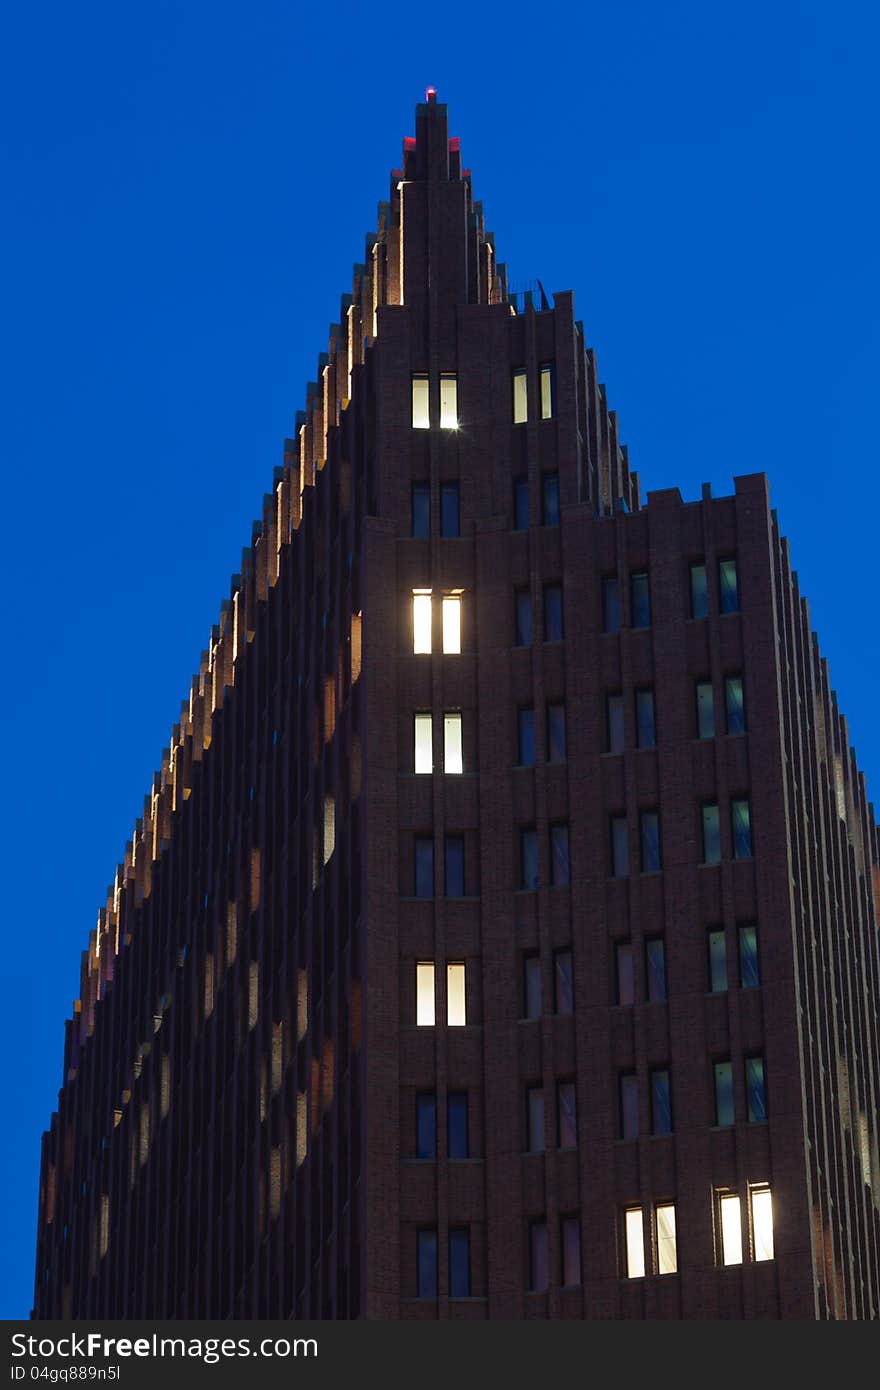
x: 183, y: 191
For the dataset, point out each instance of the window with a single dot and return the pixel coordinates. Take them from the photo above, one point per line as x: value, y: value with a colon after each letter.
x: 646, y: 732
x: 614, y: 721
x: 452, y: 754
x: 717, y: 961
x: 741, y: 822
x: 556, y: 734
x: 421, y: 416
x: 749, y: 972
x: 452, y: 625
x: 525, y: 730
x: 448, y: 401
x: 623, y: 961
x: 629, y: 1106
x: 667, y: 1254
x: 539, y: 1271
x: 552, y: 613
x: 424, y: 864
x: 728, y: 586
x: 425, y: 993
x: 421, y: 510
x: 453, y: 866
x: 661, y: 1103
x: 736, y: 709
x: 724, y: 1111
x: 699, y: 591
x: 566, y: 1115
x: 548, y: 391
x: 455, y: 996
x: 459, y: 1262
x: 450, y: 510
x: 619, y: 847
x: 535, y: 1119
x: 421, y: 612
x: 524, y: 618
x: 571, y: 1251
x: 756, y: 1095
x: 705, y: 710
x: 424, y: 743
x: 563, y: 983
x: 457, y: 1124
x: 610, y: 604
x: 560, y: 868
x: 640, y: 600
x: 655, y: 969
x: 762, y: 1223
x: 520, y: 504
x: 730, y: 1221
x: 635, y: 1243
x: 711, y: 835
x: 528, y: 858
x: 426, y: 1125
x: 649, y: 823
x: 549, y: 499
x: 427, y: 1264
x: 520, y: 397
x: 532, y: 1001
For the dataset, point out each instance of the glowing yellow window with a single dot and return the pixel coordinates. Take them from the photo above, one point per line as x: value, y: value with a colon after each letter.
x: 420, y: 412
x: 452, y: 752
x: 667, y: 1255
x: 425, y: 993
x: 635, y: 1244
x: 455, y: 996
x: 520, y: 398
x: 762, y: 1223
x: 731, y: 1229
x: 451, y: 625
x: 424, y: 743
x: 421, y: 611
x: 448, y: 401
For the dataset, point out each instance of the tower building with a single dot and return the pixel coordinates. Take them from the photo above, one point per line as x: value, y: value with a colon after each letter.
x: 499, y: 938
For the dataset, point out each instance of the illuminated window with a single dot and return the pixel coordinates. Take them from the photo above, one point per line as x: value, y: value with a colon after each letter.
x: 741, y: 824
x: 535, y: 1119
x: 762, y: 1223
x: 667, y: 1255
x: 560, y: 867
x: 730, y: 1221
x: 421, y: 417
x: 717, y: 961
x: 699, y: 591
x: 457, y: 1124
x: 635, y: 1243
x: 424, y: 743
x: 614, y: 723
x: 566, y: 1115
x: 452, y: 625
x: 453, y: 852
x: 421, y: 510
x: 548, y: 391
x: 629, y: 1106
x: 619, y: 847
x: 421, y: 611
x: 424, y: 866
x: 528, y: 858
x: 749, y: 973
x: 455, y: 996
x: 426, y: 1125
x: 520, y: 504
x: 623, y: 956
x: 460, y: 1263
x: 655, y: 969
x: 452, y: 754
x: 532, y: 1002
x: 329, y: 827
x: 427, y: 1264
x: 711, y: 835
x: 728, y: 586
x: 756, y: 1092
x: 448, y: 401
x: 563, y: 983
x: 646, y: 728
x: 450, y: 510
x: 736, y: 709
x: 525, y: 728
x: 524, y: 619
x: 705, y: 710
x: 640, y: 600
x: 571, y: 1251
x: 550, y: 499
x: 425, y: 1013
x: 724, y: 1112
x: 539, y: 1269
x: 520, y: 398
x: 610, y: 604
x: 556, y: 733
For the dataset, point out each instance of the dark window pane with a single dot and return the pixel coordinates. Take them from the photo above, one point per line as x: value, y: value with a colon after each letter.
x: 421, y: 510
x: 626, y: 993
x: 524, y: 624
x: 742, y: 829
x: 563, y: 984
x: 571, y: 1251
x: 749, y: 973
x: 728, y: 586
x: 645, y: 728
x: 520, y: 504
x: 526, y: 737
x: 705, y: 710
x: 559, y: 860
x: 650, y: 832
x: 535, y: 1119
x: 723, y: 1093
x: 427, y: 1264
x: 661, y: 1103
x: 532, y: 986
x: 640, y: 600
x: 755, y: 1094
x: 457, y: 1124
x: 459, y: 1264
x: 629, y: 1106
x: 528, y: 851
x: 736, y: 709
x: 550, y: 499
x: 454, y: 852
x: 539, y: 1273
x: 556, y: 733
x: 566, y: 1115
x: 699, y: 592
x: 449, y: 510
x: 655, y: 969
x: 552, y: 613
x: 610, y: 604
x: 426, y: 1125
x: 717, y: 961
x: 424, y: 867
x: 615, y: 723
x: 711, y: 835
x: 619, y: 847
